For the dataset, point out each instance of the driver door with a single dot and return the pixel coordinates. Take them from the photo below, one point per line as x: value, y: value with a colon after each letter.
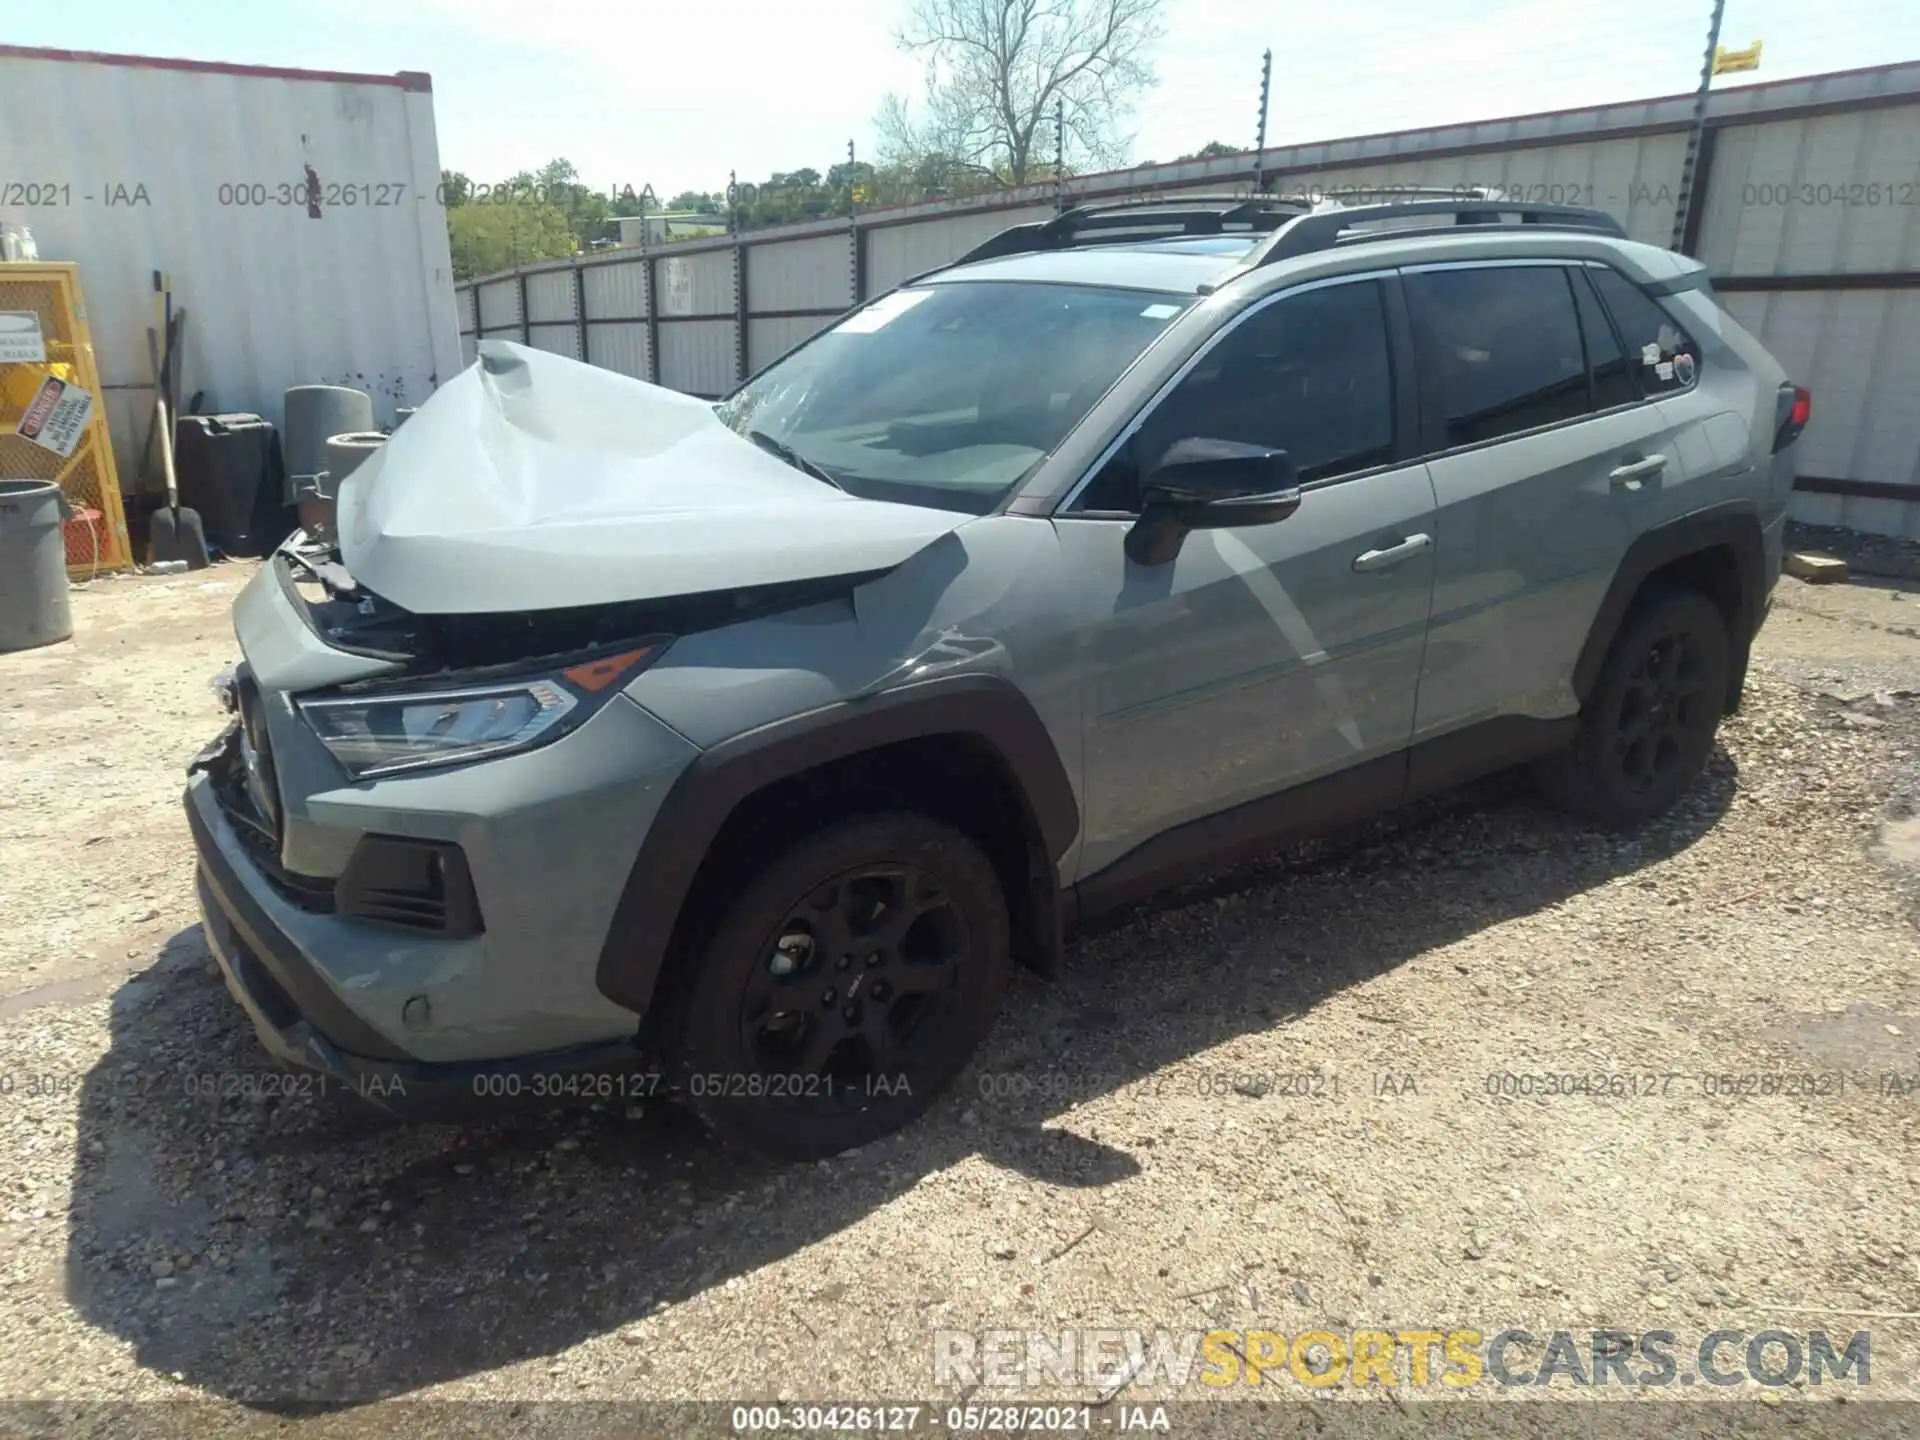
x: 1260, y: 657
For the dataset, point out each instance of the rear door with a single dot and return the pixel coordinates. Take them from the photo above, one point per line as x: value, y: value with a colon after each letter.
x: 1547, y: 460
x: 1261, y: 656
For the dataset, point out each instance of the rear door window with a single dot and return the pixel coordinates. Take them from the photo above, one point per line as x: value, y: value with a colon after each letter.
x: 1505, y: 342
x: 1663, y: 356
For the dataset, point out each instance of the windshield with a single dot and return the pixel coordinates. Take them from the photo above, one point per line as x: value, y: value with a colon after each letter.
x: 948, y: 395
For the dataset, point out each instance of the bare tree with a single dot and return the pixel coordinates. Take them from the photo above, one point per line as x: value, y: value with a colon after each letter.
x: 995, y: 70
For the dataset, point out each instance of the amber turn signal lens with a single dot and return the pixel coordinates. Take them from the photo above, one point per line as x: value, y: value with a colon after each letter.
x: 596, y: 675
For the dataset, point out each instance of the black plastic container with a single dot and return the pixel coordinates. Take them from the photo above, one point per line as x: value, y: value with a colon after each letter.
x: 229, y: 470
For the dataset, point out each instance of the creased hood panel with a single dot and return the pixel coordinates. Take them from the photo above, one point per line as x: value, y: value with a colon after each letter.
x: 533, y: 482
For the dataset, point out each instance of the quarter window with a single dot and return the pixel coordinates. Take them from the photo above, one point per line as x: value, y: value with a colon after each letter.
x: 1308, y: 374
x: 1663, y: 355
x: 1506, y: 345
x: 1613, y: 382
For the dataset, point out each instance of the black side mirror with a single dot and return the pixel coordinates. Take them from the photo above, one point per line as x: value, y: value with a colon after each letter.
x: 1202, y: 484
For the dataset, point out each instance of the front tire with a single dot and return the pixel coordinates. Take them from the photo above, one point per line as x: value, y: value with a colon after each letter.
x: 1647, y: 729
x: 848, y: 983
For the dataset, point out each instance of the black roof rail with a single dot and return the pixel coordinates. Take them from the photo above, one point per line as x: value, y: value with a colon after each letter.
x: 1126, y: 220
x: 1324, y: 229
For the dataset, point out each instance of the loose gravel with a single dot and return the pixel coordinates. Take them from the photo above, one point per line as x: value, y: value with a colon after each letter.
x: 1270, y: 1100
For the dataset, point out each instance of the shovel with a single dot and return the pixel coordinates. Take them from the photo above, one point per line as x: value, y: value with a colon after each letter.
x: 174, y: 533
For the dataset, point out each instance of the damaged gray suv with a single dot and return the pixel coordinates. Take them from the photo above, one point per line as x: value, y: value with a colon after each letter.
x: 747, y: 747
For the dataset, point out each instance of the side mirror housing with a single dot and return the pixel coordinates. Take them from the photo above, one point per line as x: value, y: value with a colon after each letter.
x: 1202, y: 484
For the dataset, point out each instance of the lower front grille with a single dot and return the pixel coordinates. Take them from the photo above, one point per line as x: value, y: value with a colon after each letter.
x: 415, y: 884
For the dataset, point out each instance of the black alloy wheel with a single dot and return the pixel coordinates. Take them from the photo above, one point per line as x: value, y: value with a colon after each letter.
x: 1648, y: 725
x: 845, y: 983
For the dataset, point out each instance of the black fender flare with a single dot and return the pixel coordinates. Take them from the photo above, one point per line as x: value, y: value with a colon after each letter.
x: 985, y: 708
x: 1735, y: 526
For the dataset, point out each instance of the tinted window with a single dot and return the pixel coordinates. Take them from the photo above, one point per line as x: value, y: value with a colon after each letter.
x: 1507, y: 346
x: 1309, y: 374
x: 949, y: 394
x: 1612, y: 371
x: 1662, y: 353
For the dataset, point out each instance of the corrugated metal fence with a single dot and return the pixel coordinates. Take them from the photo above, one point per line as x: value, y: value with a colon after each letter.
x: 1809, y: 219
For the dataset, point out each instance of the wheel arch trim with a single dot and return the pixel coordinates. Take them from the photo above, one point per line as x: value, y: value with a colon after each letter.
x: 1734, y: 525
x: 981, y: 708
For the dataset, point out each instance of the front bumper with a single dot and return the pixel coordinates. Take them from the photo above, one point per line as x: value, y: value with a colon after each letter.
x: 304, y: 1023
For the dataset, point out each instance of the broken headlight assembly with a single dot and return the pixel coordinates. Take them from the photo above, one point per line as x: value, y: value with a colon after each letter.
x: 382, y: 732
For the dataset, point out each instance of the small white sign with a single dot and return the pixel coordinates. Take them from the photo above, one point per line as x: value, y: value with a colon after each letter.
x: 57, y: 417
x: 21, y: 342
x: 1159, y: 312
x: 1649, y: 354
x: 679, y: 296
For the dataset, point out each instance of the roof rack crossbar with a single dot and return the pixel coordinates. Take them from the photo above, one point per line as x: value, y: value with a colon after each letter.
x: 1164, y: 217
x: 1325, y: 229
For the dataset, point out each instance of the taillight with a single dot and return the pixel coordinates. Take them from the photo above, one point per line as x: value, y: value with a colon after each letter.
x: 1792, y: 409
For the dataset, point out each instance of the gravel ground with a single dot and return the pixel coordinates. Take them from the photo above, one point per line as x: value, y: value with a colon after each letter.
x: 1262, y: 1102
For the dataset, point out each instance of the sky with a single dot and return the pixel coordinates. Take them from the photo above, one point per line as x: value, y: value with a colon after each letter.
x: 677, y: 93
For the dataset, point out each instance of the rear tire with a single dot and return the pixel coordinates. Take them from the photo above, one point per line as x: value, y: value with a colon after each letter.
x: 1647, y: 729
x: 847, y: 984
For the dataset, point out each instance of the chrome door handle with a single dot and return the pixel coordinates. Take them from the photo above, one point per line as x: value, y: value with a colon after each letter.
x: 1393, y: 554
x: 1637, y: 469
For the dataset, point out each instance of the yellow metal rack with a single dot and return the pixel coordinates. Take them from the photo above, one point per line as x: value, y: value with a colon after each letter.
x: 96, y: 536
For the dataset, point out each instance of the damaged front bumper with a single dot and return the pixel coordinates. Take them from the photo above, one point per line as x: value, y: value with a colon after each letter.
x: 430, y: 1009
x: 304, y: 1023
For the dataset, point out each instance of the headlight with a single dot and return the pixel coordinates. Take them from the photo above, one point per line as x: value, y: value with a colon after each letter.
x: 379, y: 733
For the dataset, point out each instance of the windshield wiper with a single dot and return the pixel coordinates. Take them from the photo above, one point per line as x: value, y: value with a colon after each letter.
x: 793, y: 457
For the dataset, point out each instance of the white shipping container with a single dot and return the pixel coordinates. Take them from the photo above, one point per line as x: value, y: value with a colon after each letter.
x: 295, y: 214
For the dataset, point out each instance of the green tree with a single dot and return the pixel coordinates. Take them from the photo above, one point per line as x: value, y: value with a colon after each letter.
x: 1214, y: 150
x: 489, y: 235
x: 589, y: 213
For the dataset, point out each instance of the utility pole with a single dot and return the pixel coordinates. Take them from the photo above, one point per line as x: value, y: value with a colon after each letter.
x: 854, y: 276
x: 1260, y: 136
x: 1684, y: 201
x: 1060, y: 154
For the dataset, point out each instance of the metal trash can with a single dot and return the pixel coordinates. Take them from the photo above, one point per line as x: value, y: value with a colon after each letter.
x: 347, y: 453
x: 344, y: 455
x: 314, y: 413
x: 34, y: 608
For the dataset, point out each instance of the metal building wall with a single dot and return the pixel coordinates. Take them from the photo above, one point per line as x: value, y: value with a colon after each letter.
x: 1808, y: 216
x: 1826, y: 195
x: 202, y: 171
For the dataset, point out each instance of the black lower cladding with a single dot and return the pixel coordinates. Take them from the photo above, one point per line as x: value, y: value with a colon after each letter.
x: 1317, y: 807
x: 984, y: 708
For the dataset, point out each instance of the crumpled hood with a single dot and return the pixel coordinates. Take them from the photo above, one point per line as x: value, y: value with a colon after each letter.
x: 533, y: 482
